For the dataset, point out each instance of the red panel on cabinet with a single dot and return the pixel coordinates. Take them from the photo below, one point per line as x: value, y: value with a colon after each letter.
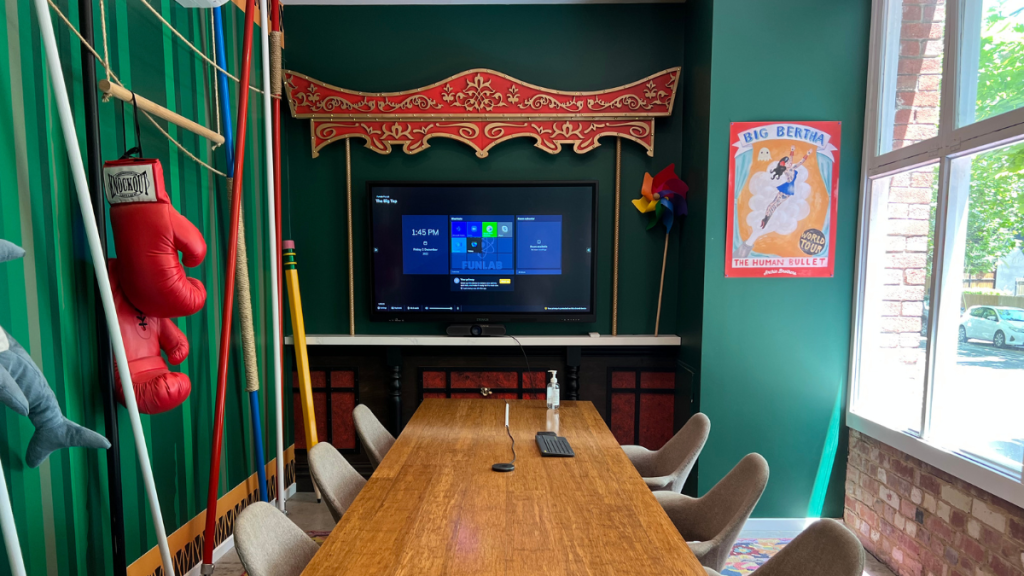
x: 660, y: 380
x: 320, y: 409
x: 657, y: 412
x: 485, y: 379
x: 433, y: 380
x: 535, y: 380
x: 343, y: 379
x: 300, y: 430
x: 318, y: 378
x: 343, y: 428
x: 433, y: 395
x: 623, y: 417
x: 623, y: 379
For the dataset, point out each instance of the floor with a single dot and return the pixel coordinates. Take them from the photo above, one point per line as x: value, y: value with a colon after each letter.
x: 304, y: 510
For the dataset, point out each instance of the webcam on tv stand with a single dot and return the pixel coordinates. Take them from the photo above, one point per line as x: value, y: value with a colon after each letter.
x: 476, y: 330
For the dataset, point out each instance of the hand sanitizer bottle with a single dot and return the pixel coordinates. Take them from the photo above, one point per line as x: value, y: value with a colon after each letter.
x: 553, y: 391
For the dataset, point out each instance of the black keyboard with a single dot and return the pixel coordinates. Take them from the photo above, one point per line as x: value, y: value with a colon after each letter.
x: 551, y: 445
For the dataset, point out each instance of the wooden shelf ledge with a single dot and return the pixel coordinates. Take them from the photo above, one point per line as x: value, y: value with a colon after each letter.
x: 488, y: 341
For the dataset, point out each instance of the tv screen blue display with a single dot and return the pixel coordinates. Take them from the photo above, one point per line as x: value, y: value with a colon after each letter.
x: 483, y: 252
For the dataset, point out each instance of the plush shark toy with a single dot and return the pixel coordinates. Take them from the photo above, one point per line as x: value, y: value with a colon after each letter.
x: 24, y: 389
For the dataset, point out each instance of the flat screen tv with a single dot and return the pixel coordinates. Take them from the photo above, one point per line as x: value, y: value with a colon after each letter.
x: 483, y: 252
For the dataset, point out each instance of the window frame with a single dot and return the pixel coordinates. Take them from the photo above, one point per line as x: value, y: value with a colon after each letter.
x: 950, y: 144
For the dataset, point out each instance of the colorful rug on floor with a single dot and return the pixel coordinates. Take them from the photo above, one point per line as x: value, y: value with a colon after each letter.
x: 748, y: 554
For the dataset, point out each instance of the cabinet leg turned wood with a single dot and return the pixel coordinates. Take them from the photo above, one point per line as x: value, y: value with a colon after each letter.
x: 394, y: 357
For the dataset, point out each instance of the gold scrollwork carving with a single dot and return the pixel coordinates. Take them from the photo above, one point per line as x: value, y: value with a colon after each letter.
x: 396, y: 131
x: 651, y: 91
x: 317, y: 103
x: 418, y: 101
x: 467, y: 130
x: 564, y: 130
x: 496, y: 130
x: 630, y: 101
x: 477, y: 96
x: 538, y: 101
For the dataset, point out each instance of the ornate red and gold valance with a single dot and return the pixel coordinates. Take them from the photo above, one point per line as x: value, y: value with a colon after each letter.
x: 482, y: 108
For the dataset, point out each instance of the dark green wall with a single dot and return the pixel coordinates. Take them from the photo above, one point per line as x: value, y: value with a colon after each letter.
x: 693, y: 169
x: 47, y: 300
x: 775, y: 351
x: 557, y: 46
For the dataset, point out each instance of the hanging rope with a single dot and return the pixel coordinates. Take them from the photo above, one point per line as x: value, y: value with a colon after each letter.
x: 103, y: 27
x: 275, y: 64
x: 192, y: 46
x: 116, y: 80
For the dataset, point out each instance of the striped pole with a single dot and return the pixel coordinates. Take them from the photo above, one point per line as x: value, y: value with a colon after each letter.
x: 92, y: 236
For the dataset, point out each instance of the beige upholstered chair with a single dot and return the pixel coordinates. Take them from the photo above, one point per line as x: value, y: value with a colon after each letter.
x: 373, y: 435
x: 338, y: 481
x: 668, y: 468
x: 269, y: 544
x: 710, y: 524
x: 825, y: 548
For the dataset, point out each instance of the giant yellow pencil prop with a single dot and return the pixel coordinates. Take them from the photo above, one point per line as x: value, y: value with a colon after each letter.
x: 291, y: 278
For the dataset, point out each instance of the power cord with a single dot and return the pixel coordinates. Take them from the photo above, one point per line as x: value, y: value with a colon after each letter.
x: 507, y: 466
x: 510, y: 466
x: 513, y: 442
x: 523, y: 350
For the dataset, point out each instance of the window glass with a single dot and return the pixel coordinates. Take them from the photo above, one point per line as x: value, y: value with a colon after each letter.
x: 913, y: 75
x: 1011, y: 314
x: 891, y: 372
x: 992, y: 63
x: 979, y: 362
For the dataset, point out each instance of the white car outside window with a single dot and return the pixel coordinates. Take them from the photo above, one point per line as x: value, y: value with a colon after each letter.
x: 1000, y: 325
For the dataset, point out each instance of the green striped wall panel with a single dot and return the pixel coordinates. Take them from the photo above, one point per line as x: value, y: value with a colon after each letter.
x: 47, y: 300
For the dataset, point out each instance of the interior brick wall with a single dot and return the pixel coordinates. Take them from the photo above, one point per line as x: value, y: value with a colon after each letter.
x: 920, y: 521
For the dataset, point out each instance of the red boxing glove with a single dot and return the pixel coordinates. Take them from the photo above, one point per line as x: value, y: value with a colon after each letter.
x: 157, y: 389
x: 149, y: 233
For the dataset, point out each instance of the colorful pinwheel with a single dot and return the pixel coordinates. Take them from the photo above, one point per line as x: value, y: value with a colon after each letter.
x: 665, y: 196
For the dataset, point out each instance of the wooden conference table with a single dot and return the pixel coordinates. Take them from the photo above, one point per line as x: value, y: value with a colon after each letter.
x: 434, y: 506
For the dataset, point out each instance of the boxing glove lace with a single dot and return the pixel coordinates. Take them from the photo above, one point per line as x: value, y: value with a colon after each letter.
x: 157, y: 389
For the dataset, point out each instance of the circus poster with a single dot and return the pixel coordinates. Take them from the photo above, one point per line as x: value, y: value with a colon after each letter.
x: 783, y: 193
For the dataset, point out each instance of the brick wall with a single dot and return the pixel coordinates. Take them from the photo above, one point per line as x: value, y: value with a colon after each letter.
x: 918, y: 80
x: 919, y: 72
x: 909, y: 209
x: 920, y: 521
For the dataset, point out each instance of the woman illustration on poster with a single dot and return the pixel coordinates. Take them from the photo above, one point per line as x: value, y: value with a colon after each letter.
x: 771, y: 207
x: 788, y: 172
